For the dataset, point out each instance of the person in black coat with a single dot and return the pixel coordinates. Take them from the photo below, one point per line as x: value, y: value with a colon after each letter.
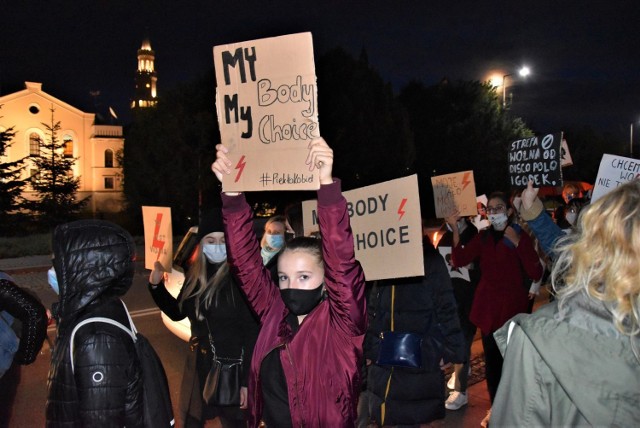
x: 426, y: 306
x: 31, y: 327
x: 214, y: 303
x: 93, y: 266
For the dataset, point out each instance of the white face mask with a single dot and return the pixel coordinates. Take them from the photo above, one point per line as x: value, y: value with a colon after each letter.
x: 571, y: 217
x: 462, y: 225
x: 499, y: 221
x: 215, y: 253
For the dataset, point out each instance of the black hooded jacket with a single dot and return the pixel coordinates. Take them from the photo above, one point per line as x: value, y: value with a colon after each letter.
x: 94, y: 264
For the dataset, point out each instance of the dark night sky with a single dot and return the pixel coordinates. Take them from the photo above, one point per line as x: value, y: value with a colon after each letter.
x: 584, y: 55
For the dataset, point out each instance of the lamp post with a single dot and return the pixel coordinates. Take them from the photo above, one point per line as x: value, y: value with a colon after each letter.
x: 631, y: 140
x: 524, y: 72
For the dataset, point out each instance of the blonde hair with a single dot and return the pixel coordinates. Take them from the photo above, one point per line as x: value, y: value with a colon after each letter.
x: 602, y: 256
x: 273, y: 219
x: 198, y: 287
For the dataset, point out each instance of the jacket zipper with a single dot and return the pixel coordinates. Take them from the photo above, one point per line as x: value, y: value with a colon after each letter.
x: 295, y: 380
x: 258, y: 386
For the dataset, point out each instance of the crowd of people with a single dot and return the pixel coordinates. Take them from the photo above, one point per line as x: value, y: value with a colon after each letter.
x: 286, y: 332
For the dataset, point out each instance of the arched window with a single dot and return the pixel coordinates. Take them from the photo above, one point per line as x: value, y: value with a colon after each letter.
x: 68, y: 146
x: 108, y: 158
x: 34, y: 144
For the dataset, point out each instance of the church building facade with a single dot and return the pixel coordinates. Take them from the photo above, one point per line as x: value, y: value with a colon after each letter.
x: 96, y: 147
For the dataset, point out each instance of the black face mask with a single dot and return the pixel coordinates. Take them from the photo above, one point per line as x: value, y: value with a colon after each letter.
x: 301, y: 302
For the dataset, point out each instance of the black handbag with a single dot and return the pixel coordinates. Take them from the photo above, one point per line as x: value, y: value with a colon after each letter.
x: 223, y: 383
x: 398, y: 349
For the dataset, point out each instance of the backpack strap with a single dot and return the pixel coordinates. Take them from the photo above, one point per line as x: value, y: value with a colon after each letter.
x: 131, y: 332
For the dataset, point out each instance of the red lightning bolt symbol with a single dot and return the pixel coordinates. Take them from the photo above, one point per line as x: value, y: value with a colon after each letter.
x: 465, y: 180
x: 240, y: 168
x: 401, y: 208
x: 156, y: 242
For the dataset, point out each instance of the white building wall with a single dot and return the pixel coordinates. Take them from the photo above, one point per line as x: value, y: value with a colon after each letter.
x: 89, y: 142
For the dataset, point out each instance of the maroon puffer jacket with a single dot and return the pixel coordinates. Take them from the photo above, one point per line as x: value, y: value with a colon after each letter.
x: 321, y: 362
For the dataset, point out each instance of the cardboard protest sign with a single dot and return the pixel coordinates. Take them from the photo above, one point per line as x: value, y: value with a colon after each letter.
x: 565, y: 156
x: 614, y: 171
x: 266, y: 99
x: 536, y: 159
x: 387, y: 227
x: 454, y: 192
x: 158, y: 237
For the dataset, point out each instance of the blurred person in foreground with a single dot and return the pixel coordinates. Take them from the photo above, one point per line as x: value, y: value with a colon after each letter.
x: 22, y: 312
x: 576, y: 361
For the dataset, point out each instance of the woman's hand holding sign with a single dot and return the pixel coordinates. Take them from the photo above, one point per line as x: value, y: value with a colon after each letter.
x: 222, y: 165
x: 321, y: 157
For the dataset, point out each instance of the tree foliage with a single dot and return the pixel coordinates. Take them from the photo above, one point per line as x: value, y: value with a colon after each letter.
x: 362, y: 121
x: 54, y: 184
x: 168, y: 153
x: 586, y: 148
x: 11, y: 184
x: 457, y: 127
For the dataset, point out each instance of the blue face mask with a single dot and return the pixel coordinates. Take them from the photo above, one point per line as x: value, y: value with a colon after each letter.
x: 53, y: 280
x: 275, y: 241
x: 215, y: 253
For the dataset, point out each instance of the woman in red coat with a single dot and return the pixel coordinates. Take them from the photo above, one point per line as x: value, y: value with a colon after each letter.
x: 305, y: 366
x: 505, y: 254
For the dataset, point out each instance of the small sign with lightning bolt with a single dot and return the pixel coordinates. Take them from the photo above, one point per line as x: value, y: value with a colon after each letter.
x: 454, y: 193
x: 158, y: 237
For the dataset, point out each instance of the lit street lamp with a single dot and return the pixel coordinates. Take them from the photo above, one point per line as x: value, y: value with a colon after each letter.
x: 523, y: 72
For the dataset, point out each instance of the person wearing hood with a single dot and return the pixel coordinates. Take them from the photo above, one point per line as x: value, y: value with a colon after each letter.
x: 93, y: 266
x: 214, y: 304
x: 504, y: 254
x: 305, y: 369
x: 576, y: 361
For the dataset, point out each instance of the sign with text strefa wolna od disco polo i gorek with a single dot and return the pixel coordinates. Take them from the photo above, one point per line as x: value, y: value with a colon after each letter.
x: 387, y: 227
x: 454, y: 193
x: 266, y: 99
x: 537, y: 159
x: 158, y: 237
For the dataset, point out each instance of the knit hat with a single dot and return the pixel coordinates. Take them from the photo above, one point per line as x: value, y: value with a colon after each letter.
x: 210, y: 221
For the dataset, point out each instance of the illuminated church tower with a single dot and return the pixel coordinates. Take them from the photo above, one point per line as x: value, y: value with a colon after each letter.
x: 145, y: 94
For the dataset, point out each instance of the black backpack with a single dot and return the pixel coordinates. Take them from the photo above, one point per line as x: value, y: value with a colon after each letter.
x: 158, y: 411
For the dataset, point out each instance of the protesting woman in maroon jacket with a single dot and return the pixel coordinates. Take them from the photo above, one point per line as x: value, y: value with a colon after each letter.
x: 305, y: 366
x: 506, y: 256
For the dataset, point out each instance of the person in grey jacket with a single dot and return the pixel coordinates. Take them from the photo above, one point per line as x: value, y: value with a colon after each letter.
x: 576, y: 361
x: 93, y: 265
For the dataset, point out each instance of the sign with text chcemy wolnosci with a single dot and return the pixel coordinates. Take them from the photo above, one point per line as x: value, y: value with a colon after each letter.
x: 537, y: 159
x: 614, y: 171
x: 454, y: 193
x: 387, y: 227
x: 266, y: 100
x: 158, y: 237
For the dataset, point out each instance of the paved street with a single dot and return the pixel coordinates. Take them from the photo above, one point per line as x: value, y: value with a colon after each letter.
x: 31, y: 396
